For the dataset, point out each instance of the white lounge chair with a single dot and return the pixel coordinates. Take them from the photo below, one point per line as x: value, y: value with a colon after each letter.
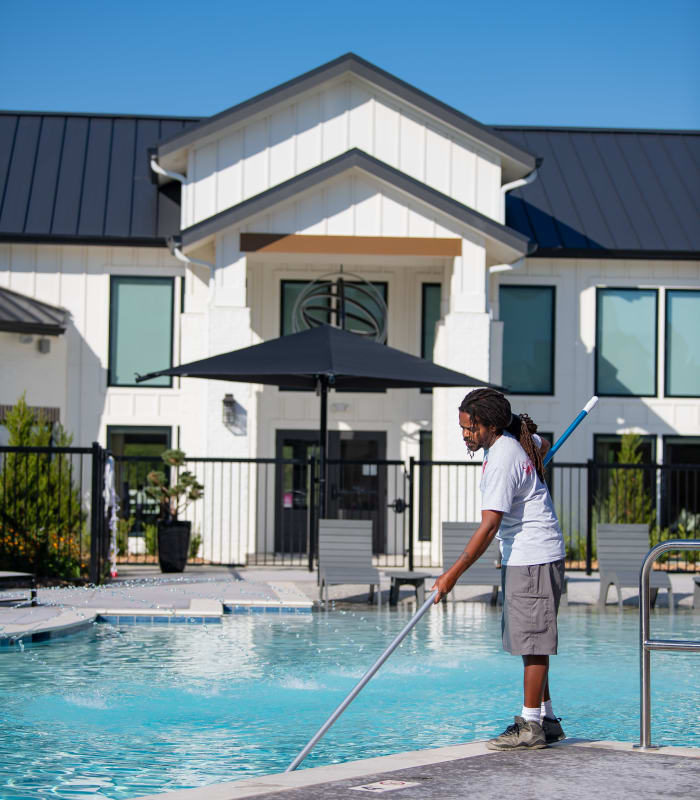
x: 345, y: 556
x: 621, y: 553
x: 487, y: 570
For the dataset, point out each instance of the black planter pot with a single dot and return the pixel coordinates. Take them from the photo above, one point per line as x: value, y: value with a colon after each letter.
x: 173, y: 545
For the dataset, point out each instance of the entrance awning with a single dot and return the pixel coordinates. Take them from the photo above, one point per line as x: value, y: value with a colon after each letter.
x: 22, y: 314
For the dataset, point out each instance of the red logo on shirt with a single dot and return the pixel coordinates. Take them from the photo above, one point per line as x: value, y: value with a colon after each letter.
x: 527, y: 466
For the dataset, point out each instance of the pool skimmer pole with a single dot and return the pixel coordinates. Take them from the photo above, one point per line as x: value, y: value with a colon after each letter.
x: 416, y: 617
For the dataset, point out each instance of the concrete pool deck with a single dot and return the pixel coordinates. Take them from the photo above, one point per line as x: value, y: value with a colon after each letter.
x: 203, y: 595
x: 571, y: 769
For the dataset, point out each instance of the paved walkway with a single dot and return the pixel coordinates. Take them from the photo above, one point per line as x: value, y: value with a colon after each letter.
x: 575, y: 770
x: 141, y: 594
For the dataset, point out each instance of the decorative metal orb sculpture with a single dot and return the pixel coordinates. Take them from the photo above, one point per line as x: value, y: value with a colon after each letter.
x: 344, y: 300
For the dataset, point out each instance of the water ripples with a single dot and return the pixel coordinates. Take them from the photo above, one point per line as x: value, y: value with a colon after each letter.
x: 116, y: 713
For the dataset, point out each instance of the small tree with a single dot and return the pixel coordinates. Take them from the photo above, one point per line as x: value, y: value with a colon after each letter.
x: 41, y: 514
x: 175, y: 497
x: 625, y: 498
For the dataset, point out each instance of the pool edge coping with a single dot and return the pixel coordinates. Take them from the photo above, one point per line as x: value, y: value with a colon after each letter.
x: 315, y: 776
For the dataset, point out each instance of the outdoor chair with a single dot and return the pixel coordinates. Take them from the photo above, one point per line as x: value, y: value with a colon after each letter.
x: 621, y: 553
x: 696, y: 594
x: 487, y: 570
x: 345, y: 556
x: 20, y: 580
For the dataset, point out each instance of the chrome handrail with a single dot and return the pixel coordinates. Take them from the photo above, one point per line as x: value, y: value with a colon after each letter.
x: 647, y: 644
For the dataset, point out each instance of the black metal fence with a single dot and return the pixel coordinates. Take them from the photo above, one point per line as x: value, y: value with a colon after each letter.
x: 52, y: 519
x: 265, y: 511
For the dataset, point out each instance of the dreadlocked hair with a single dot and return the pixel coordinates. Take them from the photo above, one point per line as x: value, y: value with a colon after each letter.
x: 490, y: 408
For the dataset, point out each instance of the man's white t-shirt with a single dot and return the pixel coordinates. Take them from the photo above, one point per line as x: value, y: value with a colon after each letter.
x: 529, y: 532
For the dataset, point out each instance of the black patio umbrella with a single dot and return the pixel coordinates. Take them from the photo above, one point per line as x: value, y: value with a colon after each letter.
x: 322, y: 358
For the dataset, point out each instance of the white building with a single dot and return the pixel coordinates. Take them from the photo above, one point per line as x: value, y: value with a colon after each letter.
x: 584, y: 281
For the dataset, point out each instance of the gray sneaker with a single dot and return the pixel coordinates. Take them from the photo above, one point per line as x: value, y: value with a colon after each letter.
x: 553, y: 732
x: 519, y: 736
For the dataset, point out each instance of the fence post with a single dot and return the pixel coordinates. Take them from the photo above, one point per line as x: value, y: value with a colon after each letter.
x: 590, y: 478
x: 311, y: 512
x: 97, y: 515
x: 411, y: 509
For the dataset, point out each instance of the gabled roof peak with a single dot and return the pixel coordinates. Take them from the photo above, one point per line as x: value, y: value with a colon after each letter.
x: 517, y: 162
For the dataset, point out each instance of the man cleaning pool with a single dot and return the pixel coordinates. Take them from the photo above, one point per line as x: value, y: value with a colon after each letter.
x: 516, y: 506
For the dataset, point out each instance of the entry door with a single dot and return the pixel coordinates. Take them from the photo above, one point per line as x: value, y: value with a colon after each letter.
x: 356, y: 482
x: 293, y: 490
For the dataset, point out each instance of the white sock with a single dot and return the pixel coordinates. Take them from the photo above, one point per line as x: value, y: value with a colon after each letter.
x: 531, y: 714
x: 546, y: 709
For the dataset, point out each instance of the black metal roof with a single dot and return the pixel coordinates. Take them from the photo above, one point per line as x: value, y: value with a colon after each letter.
x: 22, y: 314
x: 515, y: 157
x: 622, y: 193
x: 84, y: 178
x: 356, y: 158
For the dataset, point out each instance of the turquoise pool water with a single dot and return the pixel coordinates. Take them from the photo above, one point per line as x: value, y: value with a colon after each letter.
x: 117, y: 713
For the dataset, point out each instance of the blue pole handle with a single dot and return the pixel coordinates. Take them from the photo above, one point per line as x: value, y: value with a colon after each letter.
x: 590, y: 405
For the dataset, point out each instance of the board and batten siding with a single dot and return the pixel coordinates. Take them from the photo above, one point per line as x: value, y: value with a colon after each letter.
x: 77, y: 278
x: 576, y: 281
x: 266, y: 151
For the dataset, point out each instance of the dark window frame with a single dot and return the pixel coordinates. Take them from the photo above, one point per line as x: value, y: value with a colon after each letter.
x: 552, y: 363
x: 668, y: 292
x: 284, y: 282
x: 424, y: 286
x: 598, y: 291
x: 599, y: 438
x: 164, y: 279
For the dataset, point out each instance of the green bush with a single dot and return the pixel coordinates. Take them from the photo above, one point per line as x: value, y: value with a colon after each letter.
x: 195, y: 542
x: 150, y: 533
x: 42, y: 521
x: 622, y: 497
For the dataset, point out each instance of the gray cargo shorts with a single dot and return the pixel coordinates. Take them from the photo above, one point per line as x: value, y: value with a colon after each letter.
x: 531, y: 598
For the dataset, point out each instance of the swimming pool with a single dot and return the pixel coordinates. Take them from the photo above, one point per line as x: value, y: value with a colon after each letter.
x: 117, y: 713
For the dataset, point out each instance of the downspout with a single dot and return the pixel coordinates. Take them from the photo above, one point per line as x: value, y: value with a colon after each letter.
x: 156, y: 167
x: 508, y: 187
x: 174, y: 245
x: 518, y: 263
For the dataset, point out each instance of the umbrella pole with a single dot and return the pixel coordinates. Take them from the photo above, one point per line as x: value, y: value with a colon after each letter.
x: 323, y: 469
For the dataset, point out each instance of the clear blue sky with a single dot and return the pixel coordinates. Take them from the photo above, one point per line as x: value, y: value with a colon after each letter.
x: 616, y: 63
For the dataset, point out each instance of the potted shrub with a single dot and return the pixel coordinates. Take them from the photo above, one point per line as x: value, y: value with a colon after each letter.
x: 173, y: 497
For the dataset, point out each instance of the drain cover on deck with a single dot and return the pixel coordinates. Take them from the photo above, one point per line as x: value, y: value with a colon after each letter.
x: 384, y: 786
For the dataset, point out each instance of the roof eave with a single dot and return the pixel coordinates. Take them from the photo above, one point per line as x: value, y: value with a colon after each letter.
x: 510, y: 242
x: 32, y: 328
x: 516, y: 162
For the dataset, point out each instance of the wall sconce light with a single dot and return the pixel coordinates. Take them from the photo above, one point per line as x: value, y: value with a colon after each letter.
x: 233, y: 415
x: 229, y: 410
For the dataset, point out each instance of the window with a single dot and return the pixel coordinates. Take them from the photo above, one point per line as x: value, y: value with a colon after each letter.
x: 322, y: 311
x: 682, y: 343
x: 140, y: 329
x: 681, y: 485
x: 626, y: 342
x: 527, y: 313
x: 430, y: 316
x: 289, y: 293
x: 607, y: 447
x: 425, y: 478
x: 137, y: 450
